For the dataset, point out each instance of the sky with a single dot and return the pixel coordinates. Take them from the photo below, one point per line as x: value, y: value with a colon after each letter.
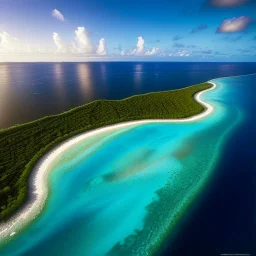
x: 97, y: 30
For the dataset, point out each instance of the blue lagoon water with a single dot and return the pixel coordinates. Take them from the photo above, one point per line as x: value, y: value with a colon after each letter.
x: 152, y: 188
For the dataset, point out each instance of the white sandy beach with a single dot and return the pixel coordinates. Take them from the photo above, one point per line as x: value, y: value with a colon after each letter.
x: 39, y: 176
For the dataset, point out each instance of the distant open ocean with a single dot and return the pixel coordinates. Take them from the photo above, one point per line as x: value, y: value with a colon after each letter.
x: 119, y: 193
x: 32, y: 90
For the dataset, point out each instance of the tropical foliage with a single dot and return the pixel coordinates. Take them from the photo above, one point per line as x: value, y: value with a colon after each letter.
x: 22, y: 145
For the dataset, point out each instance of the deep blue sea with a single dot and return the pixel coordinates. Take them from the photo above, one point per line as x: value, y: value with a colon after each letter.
x: 176, y: 189
x: 32, y: 90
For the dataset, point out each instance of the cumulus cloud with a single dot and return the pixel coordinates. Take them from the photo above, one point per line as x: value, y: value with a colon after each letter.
x: 6, y: 42
x: 227, y: 3
x: 139, y: 50
x: 199, y: 28
x: 10, y: 44
x: 154, y: 51
x: 80, y: 45
x: 234, y: 25
x: 101, y: 49
x: 61, y: 47
x: 82, y: 42
x: 58, y: 15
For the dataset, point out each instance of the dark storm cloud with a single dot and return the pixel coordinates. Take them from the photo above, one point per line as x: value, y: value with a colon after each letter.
x: 234, y: 25
x: 177, y: 45
x: 199, y: 28
x: 176, y: 38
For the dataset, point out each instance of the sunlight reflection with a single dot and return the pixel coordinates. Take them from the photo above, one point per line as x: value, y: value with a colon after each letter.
x: 85, y: 80
x: 4, y: 90
x: 103, y: 72
x: 59, y: 81
x: 58, y: 72
x: 138, y: 75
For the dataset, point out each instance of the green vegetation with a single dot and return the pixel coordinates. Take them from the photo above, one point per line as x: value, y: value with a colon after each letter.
x: 23, y: 145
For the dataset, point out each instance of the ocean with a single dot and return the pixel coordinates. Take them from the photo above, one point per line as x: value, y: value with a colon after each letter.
x: 161, y: 188
x: 29, y: 91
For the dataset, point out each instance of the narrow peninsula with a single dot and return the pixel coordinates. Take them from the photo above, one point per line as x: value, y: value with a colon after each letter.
x: 23, y: 145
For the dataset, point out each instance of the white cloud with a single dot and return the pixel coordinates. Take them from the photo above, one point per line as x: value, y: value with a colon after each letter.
x: 61, y: 48
x: 6, y: 42
x: 234, y: 25
x: 10, y: 44
x: 101, y: 49
x: 29, y: 48
x: 81, y: 48
x: 82, y: 42
x: 154, y: 51
x: 139, y: 50
x: 58, y: 15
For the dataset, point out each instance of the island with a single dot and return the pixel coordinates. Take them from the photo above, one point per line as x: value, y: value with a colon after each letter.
x: 23, y: 145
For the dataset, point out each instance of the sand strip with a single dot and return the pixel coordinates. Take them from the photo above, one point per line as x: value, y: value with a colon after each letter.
x: 39, y: 177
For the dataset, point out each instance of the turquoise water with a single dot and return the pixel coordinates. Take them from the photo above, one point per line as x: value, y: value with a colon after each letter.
x: 124, y: 193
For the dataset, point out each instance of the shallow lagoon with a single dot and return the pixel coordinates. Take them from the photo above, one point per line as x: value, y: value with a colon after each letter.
x: 124, y: 193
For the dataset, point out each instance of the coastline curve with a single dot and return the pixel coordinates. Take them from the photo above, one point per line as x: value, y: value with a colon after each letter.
x: 38, y: 181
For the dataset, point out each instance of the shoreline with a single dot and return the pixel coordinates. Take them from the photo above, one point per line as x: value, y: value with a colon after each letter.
x: 38, y: 188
